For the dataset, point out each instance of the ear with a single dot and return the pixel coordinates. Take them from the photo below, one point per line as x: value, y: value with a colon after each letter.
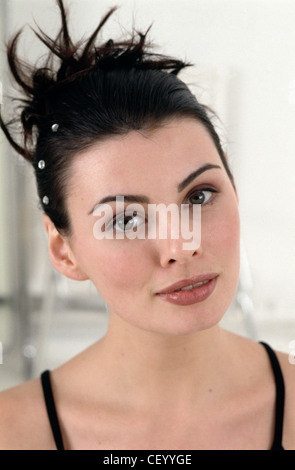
x: 60, y: 253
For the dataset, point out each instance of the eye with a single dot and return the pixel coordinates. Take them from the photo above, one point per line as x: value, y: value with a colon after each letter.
x: 126, y: 222
x: 202, y: 196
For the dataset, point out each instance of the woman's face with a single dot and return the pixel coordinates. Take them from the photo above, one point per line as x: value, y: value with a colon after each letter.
x: 157, y: 167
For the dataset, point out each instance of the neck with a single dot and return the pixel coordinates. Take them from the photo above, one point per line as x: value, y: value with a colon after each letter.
x: 155, y: 365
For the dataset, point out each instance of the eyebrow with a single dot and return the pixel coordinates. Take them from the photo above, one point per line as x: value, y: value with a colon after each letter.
x: 195, y: 174
x: 140, y: 199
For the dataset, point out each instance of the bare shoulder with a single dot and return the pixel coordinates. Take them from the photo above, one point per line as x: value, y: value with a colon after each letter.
x: 287, y: 366
x: 256, y: 363
x: 288, y: 371
x: 24, y: 423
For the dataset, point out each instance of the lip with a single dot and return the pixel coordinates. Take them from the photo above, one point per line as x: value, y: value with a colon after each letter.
x: 188, y: 282
x: 172, y: 293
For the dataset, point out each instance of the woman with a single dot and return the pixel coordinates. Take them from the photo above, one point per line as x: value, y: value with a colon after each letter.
x: 112, y: 126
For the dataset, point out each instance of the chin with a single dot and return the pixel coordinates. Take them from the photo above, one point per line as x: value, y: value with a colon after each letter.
x: 187, y: 322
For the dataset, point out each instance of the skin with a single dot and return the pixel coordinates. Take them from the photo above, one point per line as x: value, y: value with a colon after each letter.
x: 131, y: 272
x: 164, y: 376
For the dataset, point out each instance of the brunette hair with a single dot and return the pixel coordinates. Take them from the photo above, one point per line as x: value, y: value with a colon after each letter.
x: 87, y: 92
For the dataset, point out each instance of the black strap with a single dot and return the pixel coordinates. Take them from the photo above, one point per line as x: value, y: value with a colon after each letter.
x: 279, y: 411
x: 280, y: 398
x: 51, y: 410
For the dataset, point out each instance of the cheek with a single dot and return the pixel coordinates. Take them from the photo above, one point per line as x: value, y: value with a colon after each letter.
x: 120, y: 268
x: 221, y: 233
x: 229, y: 231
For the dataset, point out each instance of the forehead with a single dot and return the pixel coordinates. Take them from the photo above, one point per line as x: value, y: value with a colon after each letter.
x: 142, y: 158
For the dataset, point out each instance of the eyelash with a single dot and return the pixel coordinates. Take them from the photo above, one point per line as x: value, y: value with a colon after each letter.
x: 117, y: 218
x: 203, y: 190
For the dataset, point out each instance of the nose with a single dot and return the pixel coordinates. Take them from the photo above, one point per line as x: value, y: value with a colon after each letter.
x: 179, y: 235
x: 177, y: 251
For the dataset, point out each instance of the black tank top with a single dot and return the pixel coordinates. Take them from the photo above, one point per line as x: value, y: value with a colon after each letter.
x: 279, y: 406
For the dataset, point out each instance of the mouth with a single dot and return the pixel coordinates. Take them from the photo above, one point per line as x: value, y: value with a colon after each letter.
x: 190, y: 291
x: 190, y: 287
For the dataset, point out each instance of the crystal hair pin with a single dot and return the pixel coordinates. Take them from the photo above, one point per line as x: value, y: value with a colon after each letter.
x: 41, y: 164
x: 55, y: 127
x: 45, y: 200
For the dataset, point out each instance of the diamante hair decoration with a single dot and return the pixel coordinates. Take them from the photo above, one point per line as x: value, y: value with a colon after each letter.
x: 41, y: 164
x: 45, y: 200
x: 55, y: 127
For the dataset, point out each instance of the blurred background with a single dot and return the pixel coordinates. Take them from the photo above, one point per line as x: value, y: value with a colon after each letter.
x: 244, y: 56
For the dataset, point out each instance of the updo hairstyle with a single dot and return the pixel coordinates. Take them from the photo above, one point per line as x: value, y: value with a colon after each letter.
x: 85, y: 93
